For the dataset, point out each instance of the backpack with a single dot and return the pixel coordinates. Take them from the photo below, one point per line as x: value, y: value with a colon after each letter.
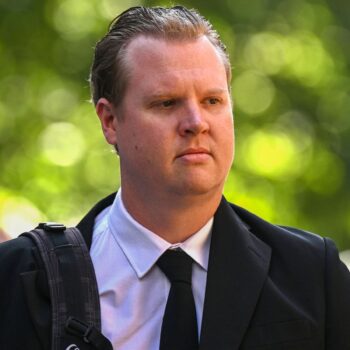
x: 75, y: 305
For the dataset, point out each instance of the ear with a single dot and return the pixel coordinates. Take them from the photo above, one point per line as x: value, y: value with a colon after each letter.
x: 108, y: 118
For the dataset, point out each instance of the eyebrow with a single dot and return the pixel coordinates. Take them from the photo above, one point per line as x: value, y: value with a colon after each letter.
x: 159, y: 96
x: 169, y: 94
x: 216, y: 91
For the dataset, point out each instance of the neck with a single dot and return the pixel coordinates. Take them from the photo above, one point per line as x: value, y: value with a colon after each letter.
x: 174, y: 219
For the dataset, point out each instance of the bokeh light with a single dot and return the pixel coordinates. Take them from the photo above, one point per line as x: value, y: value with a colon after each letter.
x: 74, y: 19
x: 62, y: 144
x: 306, y: 59
x: 18, y: 214
x: 271, y: 154
x: 265, y: 52
x: 52, y: 106
x: 253, y: 92
x: 326, y: 172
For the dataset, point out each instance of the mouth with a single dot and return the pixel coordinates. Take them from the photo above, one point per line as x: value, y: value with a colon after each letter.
x: 196, y: 155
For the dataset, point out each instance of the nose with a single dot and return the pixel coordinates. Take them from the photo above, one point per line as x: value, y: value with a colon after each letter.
x: 192, y: 121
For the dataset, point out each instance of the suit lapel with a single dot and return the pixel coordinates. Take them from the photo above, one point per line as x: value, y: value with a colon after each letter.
x: 238, y: 265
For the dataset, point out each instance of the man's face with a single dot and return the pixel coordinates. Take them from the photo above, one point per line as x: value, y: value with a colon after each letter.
x: 175, y: 127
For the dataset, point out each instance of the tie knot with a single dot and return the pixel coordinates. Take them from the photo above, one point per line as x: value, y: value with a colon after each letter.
x: 176, y: 265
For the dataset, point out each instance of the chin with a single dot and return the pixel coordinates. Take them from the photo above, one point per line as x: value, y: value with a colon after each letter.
x: 199, y: 188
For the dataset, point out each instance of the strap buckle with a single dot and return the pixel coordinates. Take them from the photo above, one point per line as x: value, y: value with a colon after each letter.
x: 79, y: 328
x: 52, y: 226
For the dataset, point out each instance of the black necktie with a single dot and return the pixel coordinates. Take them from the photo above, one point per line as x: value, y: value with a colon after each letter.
x: 179, y: 328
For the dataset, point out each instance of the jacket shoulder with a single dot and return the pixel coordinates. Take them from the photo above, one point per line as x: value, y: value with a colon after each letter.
x: 298, y: 247
x: 17, y: 253
x: 270, y: 232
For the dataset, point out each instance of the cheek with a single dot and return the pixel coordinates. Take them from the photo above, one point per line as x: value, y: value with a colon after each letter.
x: 225, y: 130
x: 135, y: 139
x: 145, y: 145
x: 227, y: 140
x: 128, y: 143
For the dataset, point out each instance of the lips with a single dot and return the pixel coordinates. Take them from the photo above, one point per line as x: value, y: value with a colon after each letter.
x: 193, y: 151
x: 197, y: 155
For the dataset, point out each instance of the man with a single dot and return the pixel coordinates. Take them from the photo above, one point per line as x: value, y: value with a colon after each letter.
x: 161, y: 85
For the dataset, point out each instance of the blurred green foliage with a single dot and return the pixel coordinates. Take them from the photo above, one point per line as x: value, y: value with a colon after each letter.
x: 291, y: 87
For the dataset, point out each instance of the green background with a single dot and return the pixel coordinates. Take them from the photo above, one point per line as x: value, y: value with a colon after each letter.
x: 292, y: 110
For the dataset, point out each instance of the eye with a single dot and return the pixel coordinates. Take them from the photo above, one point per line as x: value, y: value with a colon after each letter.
x: 212, y: 101
x: 167, y: 103
x: 163, y: 104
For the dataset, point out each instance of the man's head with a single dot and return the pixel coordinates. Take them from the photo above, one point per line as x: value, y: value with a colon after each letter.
x: 109, y: 71
x: 164, y: 103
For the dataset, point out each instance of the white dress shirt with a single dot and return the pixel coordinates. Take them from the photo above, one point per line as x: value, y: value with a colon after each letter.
x: 133, y: 290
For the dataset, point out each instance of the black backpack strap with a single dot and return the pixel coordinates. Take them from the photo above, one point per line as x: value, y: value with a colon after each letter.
x: 75, y: 305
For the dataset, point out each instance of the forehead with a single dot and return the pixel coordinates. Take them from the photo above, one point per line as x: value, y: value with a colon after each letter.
x: 148, y: 57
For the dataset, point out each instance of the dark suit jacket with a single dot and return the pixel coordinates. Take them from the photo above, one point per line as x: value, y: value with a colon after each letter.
x: 268, y: 288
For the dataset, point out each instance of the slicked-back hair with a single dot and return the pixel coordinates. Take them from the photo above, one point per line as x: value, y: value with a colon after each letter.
x: 108, y: 75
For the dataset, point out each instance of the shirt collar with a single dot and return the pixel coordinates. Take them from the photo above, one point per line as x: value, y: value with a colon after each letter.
x: 142, y: 247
